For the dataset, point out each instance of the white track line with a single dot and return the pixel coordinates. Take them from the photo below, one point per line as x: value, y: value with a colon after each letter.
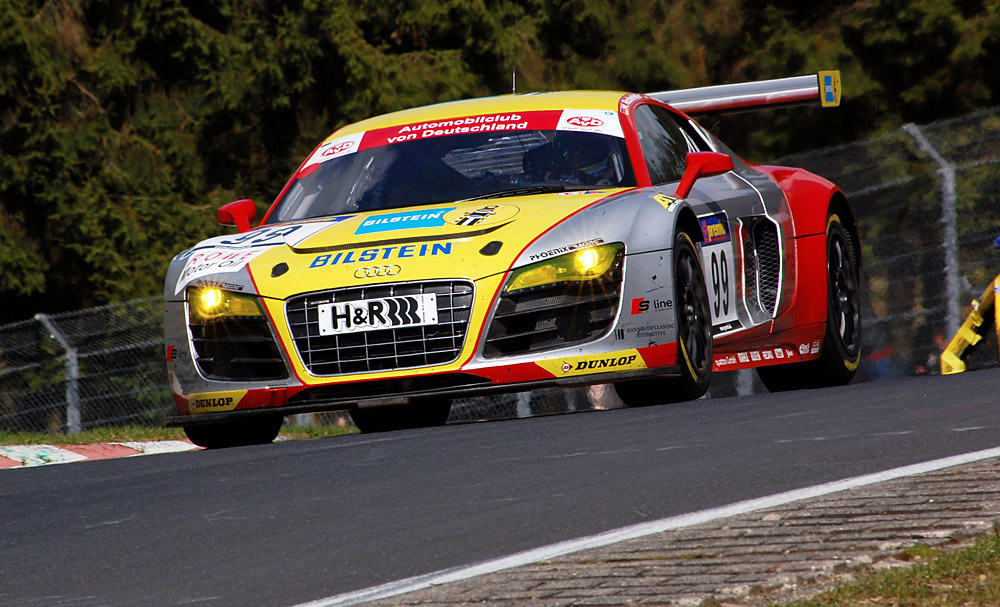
x: 634, y: 531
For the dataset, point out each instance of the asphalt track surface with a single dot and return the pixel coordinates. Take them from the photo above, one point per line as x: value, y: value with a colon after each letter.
x: 283, y: 524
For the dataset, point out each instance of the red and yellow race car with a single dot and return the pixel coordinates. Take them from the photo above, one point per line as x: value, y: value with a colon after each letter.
x: 514, y: 242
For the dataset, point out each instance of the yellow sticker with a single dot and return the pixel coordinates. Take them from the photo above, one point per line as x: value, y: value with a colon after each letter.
x: 667, y: 202
x: 212, y: 402
x: 486, y: 214
x: 623, y: 360
x: 829, y: 88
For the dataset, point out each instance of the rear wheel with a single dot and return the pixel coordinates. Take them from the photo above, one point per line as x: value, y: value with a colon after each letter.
x: 694, y: 337
x: 421, y: 413
x: 257, y: 430
x: 841, y: 352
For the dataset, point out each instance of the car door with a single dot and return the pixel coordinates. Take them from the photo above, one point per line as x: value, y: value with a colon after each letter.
x: 733, y: 213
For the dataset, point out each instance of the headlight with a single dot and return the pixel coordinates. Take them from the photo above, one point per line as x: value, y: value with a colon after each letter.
x: 579, y: 266
x: 211, y: 303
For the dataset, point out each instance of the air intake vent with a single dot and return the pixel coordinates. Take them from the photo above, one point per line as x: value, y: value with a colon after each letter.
x: 762, y: 267
x: 554, y: 316
x: 382, y: 349
x: 239, y: 349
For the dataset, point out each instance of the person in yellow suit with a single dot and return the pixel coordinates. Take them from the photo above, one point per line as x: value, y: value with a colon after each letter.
x: 984, y: 312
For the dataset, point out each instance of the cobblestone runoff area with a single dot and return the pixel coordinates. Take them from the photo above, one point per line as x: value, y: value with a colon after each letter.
x: 757, y: 559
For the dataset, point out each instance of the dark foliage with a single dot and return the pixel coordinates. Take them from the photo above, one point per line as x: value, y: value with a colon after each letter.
x: 125, y: 123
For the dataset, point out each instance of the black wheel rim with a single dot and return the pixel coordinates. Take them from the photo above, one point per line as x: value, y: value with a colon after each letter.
x: 845, y: 299
x: 693, y: 321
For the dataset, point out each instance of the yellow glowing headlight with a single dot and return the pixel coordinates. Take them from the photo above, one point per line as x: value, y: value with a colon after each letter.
x: 579, y: 266
x: 209, y: 303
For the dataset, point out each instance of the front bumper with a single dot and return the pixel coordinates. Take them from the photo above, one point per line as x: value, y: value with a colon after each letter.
x: 458, y: 357
x: 371, y: 393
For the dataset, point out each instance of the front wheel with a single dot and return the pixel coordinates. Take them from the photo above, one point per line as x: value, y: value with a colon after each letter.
x: 841, y: 352
x: 421, y: 413
x: 257, y: 430
x: 694, y: 337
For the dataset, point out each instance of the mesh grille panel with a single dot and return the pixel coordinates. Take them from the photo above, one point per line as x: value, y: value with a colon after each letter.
x: 555, y: 315
x: 762, y: 267
x: 768, y: 264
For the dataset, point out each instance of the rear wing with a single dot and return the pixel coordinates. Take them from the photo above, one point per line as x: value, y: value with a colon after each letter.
x: 822, y: 88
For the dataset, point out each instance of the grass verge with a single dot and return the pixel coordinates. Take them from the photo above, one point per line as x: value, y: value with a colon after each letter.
x: 969, y: 576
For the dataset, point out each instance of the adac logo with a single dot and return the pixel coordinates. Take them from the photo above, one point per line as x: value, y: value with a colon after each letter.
x: 336, y: 149
x: 377, y: 271
x: 585, y: 121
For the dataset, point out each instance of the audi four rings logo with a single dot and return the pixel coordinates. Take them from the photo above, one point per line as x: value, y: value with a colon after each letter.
x: 377, y: 271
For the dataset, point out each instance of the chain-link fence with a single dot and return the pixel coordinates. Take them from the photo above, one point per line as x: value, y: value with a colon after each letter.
x: 927, y: 201
x: 98, y: 367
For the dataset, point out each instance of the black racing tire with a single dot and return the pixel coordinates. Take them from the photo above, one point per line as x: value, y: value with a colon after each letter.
x: 694, y: 337
x: 841, y: 351
x: 256, y: 430
x: 423, y: 413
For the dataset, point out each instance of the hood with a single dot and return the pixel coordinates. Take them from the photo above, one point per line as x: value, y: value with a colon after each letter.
x: 472, y: 240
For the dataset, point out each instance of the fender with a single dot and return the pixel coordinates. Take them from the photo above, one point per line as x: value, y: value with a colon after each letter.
x: 809, y: 198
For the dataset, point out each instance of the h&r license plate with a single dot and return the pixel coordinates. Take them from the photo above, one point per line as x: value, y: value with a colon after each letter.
x: 374, y: 314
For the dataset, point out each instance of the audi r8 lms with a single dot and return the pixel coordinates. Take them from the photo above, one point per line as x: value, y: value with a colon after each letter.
x: 508, y: 243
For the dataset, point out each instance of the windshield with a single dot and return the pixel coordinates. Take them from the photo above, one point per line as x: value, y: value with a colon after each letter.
x: 453, y: 168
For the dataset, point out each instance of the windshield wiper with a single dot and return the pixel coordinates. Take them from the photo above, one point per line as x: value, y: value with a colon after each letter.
x: 542, y: 188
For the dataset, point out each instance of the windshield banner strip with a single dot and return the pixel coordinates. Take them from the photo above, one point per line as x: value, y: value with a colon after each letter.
x: 545, y: 120
x: 603, y: 122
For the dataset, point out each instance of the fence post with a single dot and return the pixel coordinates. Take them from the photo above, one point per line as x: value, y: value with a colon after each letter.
x: 73, y: 425
x: 950, y: 220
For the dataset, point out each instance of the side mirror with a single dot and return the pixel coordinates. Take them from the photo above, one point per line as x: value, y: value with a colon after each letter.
x: 702, y: 164
x: 239, y: 214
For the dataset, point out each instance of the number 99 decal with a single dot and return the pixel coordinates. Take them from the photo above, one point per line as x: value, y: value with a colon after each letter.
x: 720, y: 285
x: 720, y: 271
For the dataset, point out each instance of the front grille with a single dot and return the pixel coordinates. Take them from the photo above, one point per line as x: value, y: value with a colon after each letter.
x: 381, y: 349
x: 237, y: 349
x: 554, y: 316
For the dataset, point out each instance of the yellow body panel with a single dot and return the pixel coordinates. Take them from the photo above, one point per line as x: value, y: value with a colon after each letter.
x: 422, y: 252
x: 338, y: 257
